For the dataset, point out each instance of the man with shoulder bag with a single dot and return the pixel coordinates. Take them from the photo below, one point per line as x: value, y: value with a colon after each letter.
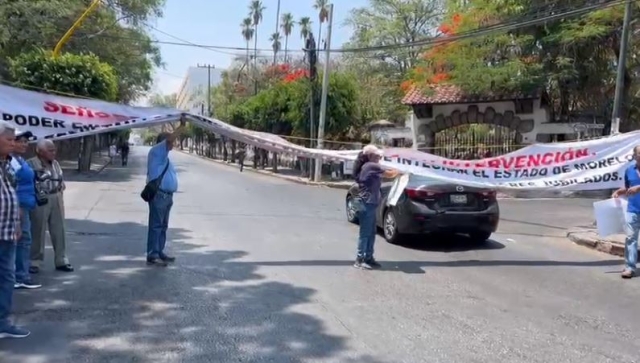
x: 162, y: 183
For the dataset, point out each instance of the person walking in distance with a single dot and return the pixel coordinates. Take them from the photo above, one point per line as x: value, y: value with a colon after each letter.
x: 9, y: 233
x: 159, y: 166
x: 49, y: 214
x: 26, y: 191
x: 124, y: 153
x: 369, y: 182
x: 241, y: 155
x: 631, y: 191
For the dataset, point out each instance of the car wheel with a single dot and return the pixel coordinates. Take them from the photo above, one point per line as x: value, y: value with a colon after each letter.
x: 352, y: 213
x: 480, y: 236
x: 390, y: 227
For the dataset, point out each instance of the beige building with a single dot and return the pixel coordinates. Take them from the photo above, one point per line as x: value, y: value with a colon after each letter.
x: 192, y: 95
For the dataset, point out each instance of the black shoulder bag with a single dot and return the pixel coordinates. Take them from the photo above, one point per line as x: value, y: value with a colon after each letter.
x: 151, y: 189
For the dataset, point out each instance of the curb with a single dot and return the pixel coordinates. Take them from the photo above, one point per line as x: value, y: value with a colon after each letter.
x: 592, y: 241
x: 293, y: 179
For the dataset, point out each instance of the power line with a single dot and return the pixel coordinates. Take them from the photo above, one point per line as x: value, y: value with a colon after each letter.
x: 517, y: 23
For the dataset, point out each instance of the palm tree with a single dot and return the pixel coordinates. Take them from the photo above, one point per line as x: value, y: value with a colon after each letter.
x: 255, y: 12
x: 287, y: 28
x: 275, y: 53
x: 276, y: 44
x: 323, y: 14
x: 247, y: 33
x: 305, y: 27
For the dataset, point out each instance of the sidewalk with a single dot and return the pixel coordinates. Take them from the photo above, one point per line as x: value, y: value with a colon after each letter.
x: 99, y: 161
x: 283, y: 173
x: 588, y: 237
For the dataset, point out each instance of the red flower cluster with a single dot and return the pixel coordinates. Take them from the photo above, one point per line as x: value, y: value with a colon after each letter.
x: 451, y: 28
x: 296, y: 75
x: 439, y: 78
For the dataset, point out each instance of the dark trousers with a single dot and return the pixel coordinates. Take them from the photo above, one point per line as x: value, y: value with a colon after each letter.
x: 7, y: 280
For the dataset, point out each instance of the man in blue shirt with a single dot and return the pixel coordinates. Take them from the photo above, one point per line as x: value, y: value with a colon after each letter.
x: 631, y: 190
x: 159, y: 165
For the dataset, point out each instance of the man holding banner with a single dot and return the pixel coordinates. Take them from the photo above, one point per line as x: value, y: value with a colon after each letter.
x: 159, y: 167
x: 631, y: 190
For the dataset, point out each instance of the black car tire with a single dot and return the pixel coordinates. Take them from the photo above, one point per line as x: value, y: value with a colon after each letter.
x: 480, y: 236
x: 352, y: 214
x: 390, y: 227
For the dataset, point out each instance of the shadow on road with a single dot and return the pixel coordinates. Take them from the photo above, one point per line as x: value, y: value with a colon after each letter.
x: 117, y: 174
x: 417, y: 267
x: 448, y: 243
x: 207, y: 307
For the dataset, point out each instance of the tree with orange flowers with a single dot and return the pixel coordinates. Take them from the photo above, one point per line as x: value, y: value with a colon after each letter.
x: 570, y: 58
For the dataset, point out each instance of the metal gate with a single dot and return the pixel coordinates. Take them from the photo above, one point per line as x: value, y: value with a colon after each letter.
x: 476, y: 141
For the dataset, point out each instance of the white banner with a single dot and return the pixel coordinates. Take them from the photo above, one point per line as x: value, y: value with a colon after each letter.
x: 585, y: 165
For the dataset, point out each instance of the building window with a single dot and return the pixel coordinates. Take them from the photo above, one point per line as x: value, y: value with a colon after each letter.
x: 423, y: 111
x: 523, y: 107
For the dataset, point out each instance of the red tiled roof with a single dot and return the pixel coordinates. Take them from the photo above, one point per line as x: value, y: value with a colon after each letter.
x: 443, y: 94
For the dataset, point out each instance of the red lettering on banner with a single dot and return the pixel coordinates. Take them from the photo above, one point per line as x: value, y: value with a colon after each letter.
x: 83, y: 112
x: 510, y: 162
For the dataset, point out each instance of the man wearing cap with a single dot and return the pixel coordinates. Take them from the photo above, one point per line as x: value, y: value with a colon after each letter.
x: 159, y: 166
x: 26, y: 190
x: 9, y: 233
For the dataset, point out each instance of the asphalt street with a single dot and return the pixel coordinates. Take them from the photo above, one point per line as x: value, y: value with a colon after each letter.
x: 264, y: 275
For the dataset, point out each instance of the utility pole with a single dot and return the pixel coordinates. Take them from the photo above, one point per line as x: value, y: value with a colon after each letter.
x: 325, y: 90
x: 312, y: 58
x: 622, y: 67
x: 208, y: 67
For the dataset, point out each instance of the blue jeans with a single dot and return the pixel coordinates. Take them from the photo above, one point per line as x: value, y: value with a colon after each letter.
x: 159, y: 209
x: 23, y: 249
x: 367, y: 221
x: 632, y: 228
x: 7, y: 280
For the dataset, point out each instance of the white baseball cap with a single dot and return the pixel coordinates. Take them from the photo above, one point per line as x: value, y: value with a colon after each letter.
x: 372, y: 150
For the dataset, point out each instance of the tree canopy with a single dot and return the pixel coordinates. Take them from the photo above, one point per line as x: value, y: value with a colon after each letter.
x: 115, y: 33
x: 572, y: 59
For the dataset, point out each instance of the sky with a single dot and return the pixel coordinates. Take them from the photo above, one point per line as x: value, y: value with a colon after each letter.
x: 218, y: 23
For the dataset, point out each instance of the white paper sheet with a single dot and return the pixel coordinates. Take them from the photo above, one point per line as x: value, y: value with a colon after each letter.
x: 396, y: 189
x: 610, y: 216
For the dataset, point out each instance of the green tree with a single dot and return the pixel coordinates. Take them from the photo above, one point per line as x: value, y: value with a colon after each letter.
x: 82, y: 75
x: 572, y: 59
x: 287, y: 28
x: 115, y: 33
x: 247, y: 34
x: 284, y: 108
x: 392, y: 22
x: 383, y: 23
x: 305, y: 24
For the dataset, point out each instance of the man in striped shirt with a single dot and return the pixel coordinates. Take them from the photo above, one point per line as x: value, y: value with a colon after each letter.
x: 9, y: 232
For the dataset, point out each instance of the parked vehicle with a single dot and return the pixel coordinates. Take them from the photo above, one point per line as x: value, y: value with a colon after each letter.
x: 428, y: 205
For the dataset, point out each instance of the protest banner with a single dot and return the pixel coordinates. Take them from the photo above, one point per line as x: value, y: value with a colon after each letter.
x: 582, y: 165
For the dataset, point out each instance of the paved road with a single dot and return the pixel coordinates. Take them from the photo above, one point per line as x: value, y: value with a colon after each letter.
x: 264, y: 275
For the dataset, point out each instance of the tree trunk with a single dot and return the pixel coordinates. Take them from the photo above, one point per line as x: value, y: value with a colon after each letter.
x: 275, y: 162
x: 233, y: 151
x: 86, y: 151
x: 286, y: 48
x: 225, y: 155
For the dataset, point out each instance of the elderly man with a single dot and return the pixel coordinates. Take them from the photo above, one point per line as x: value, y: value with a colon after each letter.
x: 160, y: 167
x: 50, y: 215
x: 9, y: 233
